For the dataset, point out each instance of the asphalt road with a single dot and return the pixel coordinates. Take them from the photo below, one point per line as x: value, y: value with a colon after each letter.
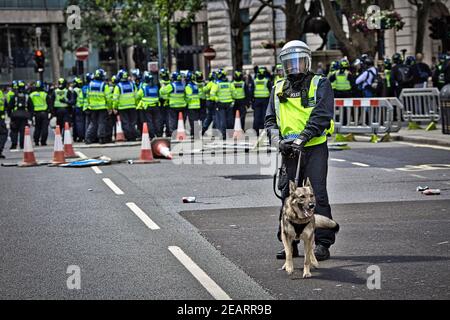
x: 51, y: 218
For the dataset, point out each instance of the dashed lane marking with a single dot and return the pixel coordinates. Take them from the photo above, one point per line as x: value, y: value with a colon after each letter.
x: 112, y: 186
x: 142, y: 215
x: 97, y: 170
x: 81, y: 155
x: 418, y: 176
x: 199, y: 274
x: 424, y: 145
x: 338, y: 160
x: 360, y: 164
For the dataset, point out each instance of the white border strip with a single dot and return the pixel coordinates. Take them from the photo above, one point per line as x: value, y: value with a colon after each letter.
x: 360, y: 164
x: 199, y: 274
x: 142, y: 215
x: 112, y: 186
x: 424, y: 145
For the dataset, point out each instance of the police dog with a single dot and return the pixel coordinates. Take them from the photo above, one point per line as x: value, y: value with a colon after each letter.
x: 298, y: 222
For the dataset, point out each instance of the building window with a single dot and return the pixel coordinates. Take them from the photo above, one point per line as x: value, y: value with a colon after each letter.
x: 246, y: 43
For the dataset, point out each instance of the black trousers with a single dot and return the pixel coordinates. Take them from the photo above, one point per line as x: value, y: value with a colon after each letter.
x: 241, y: 105
x: 62, y: 116
x: 128, y: 117
x: 79, y: 123
x: 97, y: 126
x: 153, y: 119
x: 41, y: 127
x: 194, y: 122
x: 259, y: 113
x: 172, y: 114
x: 314, y: 165
x: 210, y: 116
x: 3, y: 134
x: 17, y: 126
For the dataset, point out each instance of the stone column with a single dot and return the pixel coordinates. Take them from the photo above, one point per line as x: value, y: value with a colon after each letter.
x: 56, y: 68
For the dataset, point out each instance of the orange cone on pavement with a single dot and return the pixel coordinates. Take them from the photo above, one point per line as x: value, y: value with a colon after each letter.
x: 238, y: 132
x: 58, y: 151
x: 120, y: 136
x: 161, y: 148
x: 29, y: 159
x: 146, y: 149
x: 68, y: 143
x: 181, y: 132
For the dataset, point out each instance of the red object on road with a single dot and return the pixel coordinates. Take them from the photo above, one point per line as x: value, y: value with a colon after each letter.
x: 82, y: 53
x: 146, y: 149
x: 29, y: 159
x: 68, y: 142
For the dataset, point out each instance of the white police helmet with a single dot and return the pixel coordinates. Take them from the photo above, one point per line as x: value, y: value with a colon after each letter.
x: 295, y: 57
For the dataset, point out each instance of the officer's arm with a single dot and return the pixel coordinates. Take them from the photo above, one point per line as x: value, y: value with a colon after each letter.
x: 270, y: 122
x: 115, y: 100
x: 213, y: 92
x: 323, y: 112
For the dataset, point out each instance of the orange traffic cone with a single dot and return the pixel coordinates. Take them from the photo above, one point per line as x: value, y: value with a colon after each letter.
x: 58, y: 151
x: 68, y: 146
x: 161, y: 148
x: 120, y: 136
x: 238, y: 132
x: 146, y: 150
x: 29, y: 159
x: 181, y: 132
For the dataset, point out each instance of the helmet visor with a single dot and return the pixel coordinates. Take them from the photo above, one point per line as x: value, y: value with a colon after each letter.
x: 296, y: 62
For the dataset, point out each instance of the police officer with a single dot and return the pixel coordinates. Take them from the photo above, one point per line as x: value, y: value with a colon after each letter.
x: 3, y: 128
x: 86, y: 110
x: 200, y: 83
x: 192, y: 93
x: 98, y: 99
x: 388, y: 90
x: 239, y: 92
x: 221, y: 93
x: 278, y: 73
x: 210, y: 103
x: 124, y: 101
x: 342, y: 80
x: 164, y: 80
x: 148, y: 105
x: 299, y: 117
x: 62, y: 101
x: 79, y: 120
x: 334, y: 67
x: 19, y: 112
x: 438, y: 76
x: 261, y: 94
x: 40, y: 102
x: 177, y: 102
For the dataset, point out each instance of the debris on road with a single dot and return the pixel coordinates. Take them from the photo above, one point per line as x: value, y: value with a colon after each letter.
x: 100, y: 161
x: 188, y: 199
x: 421, y: 189
x: 430, y: 192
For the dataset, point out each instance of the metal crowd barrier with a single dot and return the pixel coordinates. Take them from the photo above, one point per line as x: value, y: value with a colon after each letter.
x: 367, y: 115
x: 421, y: 104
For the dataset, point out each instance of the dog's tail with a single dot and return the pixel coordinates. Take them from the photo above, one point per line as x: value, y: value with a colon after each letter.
x: 326, y: 223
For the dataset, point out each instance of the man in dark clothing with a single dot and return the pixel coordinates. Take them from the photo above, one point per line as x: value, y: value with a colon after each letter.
x: 294, y: 130
x: 420, y: 72
x: 18, y: 110
x: 401, y: 76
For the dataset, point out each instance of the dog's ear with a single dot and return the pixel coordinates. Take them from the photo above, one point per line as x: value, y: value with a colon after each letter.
x: 292, y: 186
x: 308, y: 183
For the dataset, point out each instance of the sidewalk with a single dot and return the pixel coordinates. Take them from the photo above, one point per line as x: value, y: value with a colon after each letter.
x: 435, y: 137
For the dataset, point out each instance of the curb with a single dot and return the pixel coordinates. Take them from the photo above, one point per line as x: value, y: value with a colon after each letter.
x: 422, y: 140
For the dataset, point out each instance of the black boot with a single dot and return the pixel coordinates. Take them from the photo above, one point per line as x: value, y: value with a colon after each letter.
x: 321, y: 252
x: 281, y: 255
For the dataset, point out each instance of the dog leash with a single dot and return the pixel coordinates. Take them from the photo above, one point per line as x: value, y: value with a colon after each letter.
x: 275, y: 177
x: 297, y: 174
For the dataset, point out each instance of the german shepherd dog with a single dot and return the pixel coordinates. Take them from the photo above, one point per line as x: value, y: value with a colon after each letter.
x: 298, y: 222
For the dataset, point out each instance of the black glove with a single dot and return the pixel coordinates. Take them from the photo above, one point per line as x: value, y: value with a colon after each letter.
x: 285, y: 146
x: 299, y: 144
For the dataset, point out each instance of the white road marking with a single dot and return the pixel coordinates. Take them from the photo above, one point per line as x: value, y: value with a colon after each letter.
x: 97, y: 170
x: 112, y: 186
x: 445, y: 242
x: 424, y: 145
x: 338, y: 160
x: 447, y: 182
x: 388, y: 170
x: 142, y: 215
x: 199, y: 274
x: 81, y: 155
x: 360, y: 164
x: 418, y: 176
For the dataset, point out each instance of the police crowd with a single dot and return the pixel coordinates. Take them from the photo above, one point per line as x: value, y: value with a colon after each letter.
x: 363, y: 79
x: 92, y: 105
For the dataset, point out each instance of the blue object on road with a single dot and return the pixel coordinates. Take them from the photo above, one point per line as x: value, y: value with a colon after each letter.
x: 87, y: 163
